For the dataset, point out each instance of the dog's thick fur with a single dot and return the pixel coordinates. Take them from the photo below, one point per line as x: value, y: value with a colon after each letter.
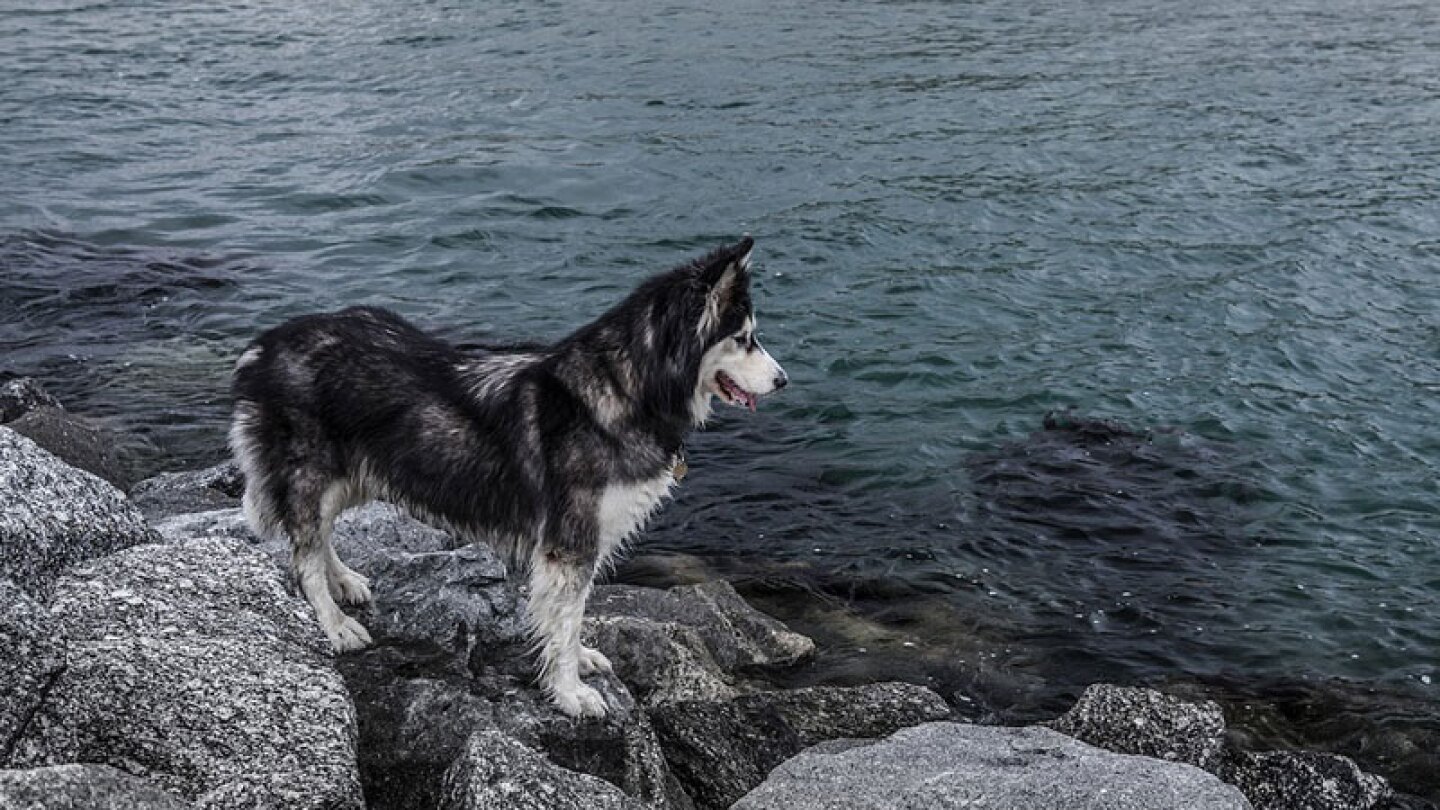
x: 552, y: 454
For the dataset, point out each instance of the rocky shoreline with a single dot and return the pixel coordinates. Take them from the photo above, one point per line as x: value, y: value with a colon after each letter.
x: 154, y: 654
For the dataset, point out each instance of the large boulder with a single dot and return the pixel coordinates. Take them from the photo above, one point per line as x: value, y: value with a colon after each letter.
x: 1130, y: 720
x: 938, y: 766
x: 31, y: 657
x: 496, y: 772
x: 719, y: 749
x: 191, y: 665
x: 53, y: 515
x: 689, y: 642
x: 82, y: 787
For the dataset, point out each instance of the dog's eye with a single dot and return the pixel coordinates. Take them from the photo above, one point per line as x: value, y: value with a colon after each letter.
x: 742, y: 341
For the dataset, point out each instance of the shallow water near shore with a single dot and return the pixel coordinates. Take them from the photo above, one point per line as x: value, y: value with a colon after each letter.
x: 1210, y: 231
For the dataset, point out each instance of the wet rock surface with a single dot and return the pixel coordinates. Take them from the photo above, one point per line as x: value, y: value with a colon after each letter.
x: 950, y: 765
x: 82, y: 787
x: 53, y: 515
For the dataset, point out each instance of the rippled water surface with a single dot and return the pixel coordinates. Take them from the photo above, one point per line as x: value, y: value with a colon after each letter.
x: 1210, y: 229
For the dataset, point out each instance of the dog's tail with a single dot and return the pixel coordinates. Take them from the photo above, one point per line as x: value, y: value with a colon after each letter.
x: 261, y: 511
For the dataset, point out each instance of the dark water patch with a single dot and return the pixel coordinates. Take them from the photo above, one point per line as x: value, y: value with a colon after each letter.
x: 120, y: 333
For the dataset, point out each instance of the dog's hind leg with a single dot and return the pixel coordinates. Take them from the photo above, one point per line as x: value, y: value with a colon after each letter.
x: 559, y: 585
x: 309, y: 527
x: 346, y: 586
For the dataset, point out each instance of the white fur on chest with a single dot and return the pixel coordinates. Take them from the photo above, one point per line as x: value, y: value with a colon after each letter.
x: 624, y: 508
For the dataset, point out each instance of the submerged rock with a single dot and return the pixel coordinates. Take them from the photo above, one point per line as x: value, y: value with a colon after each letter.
x: 53, y: 515
x: 948, y: 765
x: 82, y: 787
x: 719, y: 749
x: 190, y: 665
x: 496, y: 772
x: 31, y: 656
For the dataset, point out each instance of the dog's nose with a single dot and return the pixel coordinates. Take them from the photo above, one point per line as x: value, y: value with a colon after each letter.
x: 781, y: 380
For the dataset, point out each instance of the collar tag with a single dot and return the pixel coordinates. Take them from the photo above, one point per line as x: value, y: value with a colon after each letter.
x: 679, y: 468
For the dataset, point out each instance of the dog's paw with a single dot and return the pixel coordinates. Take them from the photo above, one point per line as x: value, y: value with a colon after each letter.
x: 348, y: 587
x: 346, y: 634
x: 593, y: 661
x: 579, y: 700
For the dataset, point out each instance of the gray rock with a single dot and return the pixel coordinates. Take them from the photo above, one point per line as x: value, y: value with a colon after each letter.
x: 360, y: 534
x: 1304, y: 780
x: 22, y: 395
x: 719, y: 749
x: 412, y: 730
x: 453, y: 618
x: 1128, y: 720
x: 690, y: 642
x: 180, y: 493
x: 495, y: 772
x: 75, y: 440
x: 53, y: 515
x: 31, y: 656
x: 938, y: 766
x: 82, y: 787
x: 192, y: 666
x: 220, y: 524
x: 457, y: 600
x: 738, y: 636
x: 1143, y: 721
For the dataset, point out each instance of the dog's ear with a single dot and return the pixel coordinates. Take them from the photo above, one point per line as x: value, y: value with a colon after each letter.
x: 726, y: 274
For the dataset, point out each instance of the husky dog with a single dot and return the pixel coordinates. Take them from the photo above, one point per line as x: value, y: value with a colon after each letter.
x: 554, y: 455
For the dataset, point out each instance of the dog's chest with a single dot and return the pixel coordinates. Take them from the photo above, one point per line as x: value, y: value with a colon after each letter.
x: 625, y: 507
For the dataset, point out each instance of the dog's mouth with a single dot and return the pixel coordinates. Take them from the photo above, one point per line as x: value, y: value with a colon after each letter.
x: 732, y: 392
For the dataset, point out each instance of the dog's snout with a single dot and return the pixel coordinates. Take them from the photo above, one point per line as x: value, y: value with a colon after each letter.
x: 781, y: 380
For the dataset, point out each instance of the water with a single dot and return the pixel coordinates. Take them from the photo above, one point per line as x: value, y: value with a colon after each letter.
x: 1212, y: 224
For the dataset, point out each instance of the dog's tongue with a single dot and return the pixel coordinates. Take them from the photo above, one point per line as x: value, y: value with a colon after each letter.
x: 750, y: 400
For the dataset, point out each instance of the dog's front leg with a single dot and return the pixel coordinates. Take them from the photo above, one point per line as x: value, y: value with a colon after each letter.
x: 560, y: 582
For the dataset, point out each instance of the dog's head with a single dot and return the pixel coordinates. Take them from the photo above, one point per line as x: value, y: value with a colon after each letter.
x: 734, y: 367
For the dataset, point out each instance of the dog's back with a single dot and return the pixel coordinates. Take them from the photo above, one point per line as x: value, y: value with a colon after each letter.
x: 360, y: 404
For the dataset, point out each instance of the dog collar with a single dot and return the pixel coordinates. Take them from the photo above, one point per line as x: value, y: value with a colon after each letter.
x: 679, y: 467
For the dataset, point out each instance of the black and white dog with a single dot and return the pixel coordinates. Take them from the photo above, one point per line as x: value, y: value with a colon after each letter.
x: 552, y: 454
